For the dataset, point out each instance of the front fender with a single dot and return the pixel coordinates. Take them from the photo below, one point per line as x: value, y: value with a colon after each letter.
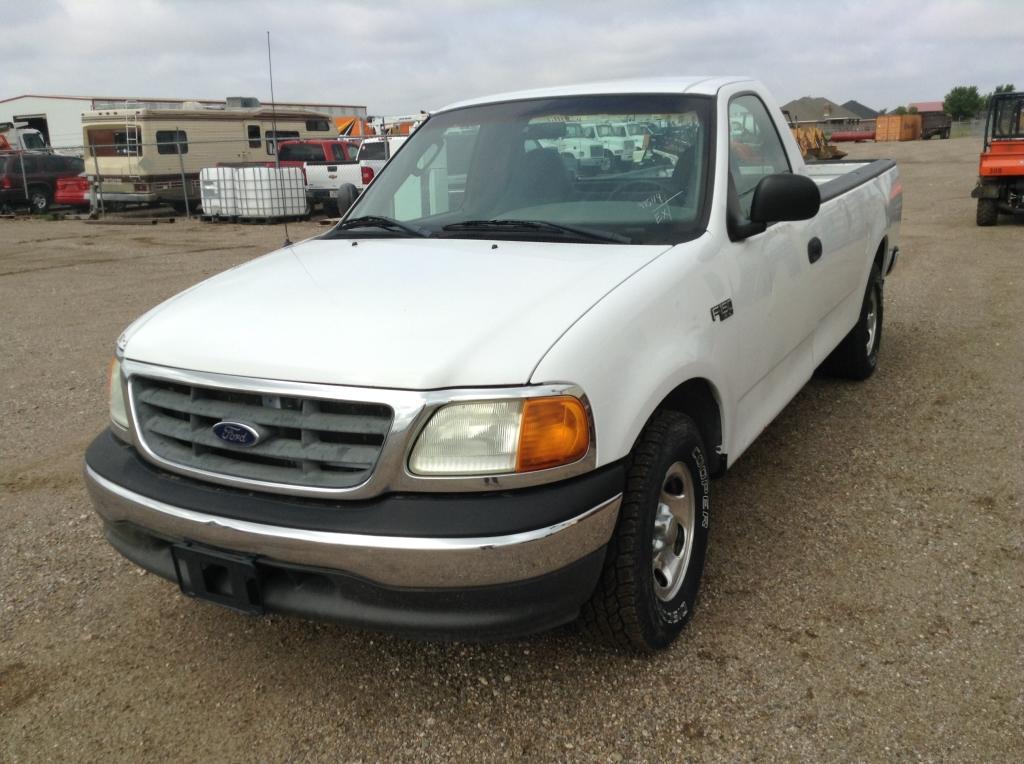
x: 645, y: 338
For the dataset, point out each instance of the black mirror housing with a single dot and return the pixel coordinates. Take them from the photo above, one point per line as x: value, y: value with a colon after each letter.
x: 785, y: 196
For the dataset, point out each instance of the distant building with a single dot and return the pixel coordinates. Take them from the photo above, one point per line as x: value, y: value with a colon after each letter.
x: 59, y: 118
x: 820, y: 111
x: 927, y: 106
x: 862, y: 111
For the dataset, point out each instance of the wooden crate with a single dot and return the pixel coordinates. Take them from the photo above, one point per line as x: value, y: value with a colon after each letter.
x: 898, y: 127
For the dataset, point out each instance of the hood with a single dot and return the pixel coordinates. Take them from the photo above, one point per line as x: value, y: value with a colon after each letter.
x: 384, y: 312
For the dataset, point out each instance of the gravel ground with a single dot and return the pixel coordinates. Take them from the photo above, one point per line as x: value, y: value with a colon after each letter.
x: 864, y: 593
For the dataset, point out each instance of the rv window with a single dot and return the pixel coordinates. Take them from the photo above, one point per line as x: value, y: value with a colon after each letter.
x: 317, y: 125
x: 254, y: 136
x: 169, y: 141
x: 278, y: 135
x: 115, y: 143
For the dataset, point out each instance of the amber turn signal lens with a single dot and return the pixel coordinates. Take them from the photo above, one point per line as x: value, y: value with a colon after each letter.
x: 554, y: 431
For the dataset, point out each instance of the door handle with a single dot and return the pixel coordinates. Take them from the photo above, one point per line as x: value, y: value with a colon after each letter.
x: 814, y: 250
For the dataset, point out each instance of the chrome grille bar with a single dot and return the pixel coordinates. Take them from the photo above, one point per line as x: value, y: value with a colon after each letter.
x: 306, y: 441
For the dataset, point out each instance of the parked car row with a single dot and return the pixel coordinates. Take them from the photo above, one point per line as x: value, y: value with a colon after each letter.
x: 31, y: 179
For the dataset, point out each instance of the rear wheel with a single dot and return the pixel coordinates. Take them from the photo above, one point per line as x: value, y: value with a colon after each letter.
x: 39, y: 199
x: 347, y: 195
x: 655, y: 559
x: 988, y: 212
x: 856, y: 357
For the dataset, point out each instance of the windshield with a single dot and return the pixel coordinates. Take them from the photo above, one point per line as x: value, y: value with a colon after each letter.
x: 532, y: 161
x: 33, y: 141
x: 1008, y: 118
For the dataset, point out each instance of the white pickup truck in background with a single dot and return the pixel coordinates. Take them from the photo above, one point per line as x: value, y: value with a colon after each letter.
x: 492, y: 399
x: 374, y: 153
x: 331, y: 170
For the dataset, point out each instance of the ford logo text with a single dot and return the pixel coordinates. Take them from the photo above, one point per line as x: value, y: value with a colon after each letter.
x: 237, y: 433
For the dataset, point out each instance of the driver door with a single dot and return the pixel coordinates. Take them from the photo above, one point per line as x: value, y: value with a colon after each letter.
x: 769, y: 276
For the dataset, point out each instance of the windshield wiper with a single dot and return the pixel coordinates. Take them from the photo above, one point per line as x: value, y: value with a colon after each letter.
x: 379, y: 221
x: 537, y: 225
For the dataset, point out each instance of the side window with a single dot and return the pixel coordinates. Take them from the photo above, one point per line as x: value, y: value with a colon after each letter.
x: 253, y: 133
x: 755, y: 149
x: 171, y: 142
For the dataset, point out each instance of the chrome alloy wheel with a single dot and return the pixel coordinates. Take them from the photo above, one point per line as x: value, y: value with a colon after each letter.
x: 871, y: 320
x: 675, y: 522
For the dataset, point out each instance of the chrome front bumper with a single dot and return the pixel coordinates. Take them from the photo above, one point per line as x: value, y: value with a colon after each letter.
x: 398, y: 561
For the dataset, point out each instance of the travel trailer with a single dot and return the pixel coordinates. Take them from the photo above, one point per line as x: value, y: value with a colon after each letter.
x: 134, y: 151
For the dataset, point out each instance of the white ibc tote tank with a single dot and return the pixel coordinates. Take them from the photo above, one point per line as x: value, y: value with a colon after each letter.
x: 270, y: 192
x: 217, y: 188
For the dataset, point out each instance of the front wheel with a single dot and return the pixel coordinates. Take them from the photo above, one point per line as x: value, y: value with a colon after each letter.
x: 988, y: 212
x: 655, y: 559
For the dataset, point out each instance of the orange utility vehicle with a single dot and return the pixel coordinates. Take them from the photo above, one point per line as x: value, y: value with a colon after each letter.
x: 1001, y: 169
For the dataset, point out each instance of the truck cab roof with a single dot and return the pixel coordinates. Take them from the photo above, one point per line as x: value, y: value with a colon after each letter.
x: 698, y: 85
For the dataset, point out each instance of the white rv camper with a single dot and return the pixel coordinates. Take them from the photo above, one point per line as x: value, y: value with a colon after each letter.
x: 135, y: 152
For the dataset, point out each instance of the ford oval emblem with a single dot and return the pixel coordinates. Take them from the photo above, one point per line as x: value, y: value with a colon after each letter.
x: 237, y: 433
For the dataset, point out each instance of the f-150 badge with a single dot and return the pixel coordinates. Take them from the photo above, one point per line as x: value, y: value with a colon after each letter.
x: 722, y: 311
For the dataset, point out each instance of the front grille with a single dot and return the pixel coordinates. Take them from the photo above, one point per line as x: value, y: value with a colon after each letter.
x: 597, y: 151
x: 305, y: 441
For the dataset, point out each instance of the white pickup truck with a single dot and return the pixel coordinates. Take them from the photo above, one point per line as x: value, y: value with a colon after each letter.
x: 488, y: 403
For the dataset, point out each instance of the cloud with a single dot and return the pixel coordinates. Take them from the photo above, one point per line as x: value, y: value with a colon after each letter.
x: 404, y: 55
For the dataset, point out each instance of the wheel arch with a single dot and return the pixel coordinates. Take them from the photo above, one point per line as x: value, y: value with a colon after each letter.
x: 883, y: 248
x: 699, y: 399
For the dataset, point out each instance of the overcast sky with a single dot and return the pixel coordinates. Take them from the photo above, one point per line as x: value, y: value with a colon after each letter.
x: 400, y: 56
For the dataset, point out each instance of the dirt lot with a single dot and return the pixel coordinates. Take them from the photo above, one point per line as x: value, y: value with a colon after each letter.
x: 864, y: 595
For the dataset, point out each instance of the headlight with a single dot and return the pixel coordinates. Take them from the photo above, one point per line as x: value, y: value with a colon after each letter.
x: 118, y: 411
x: 488, y: 437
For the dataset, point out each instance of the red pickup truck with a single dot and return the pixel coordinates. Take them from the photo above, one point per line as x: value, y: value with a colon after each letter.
x: 299, y: 153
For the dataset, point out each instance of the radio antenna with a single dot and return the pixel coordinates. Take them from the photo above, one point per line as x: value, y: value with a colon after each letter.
x: 276, y: 143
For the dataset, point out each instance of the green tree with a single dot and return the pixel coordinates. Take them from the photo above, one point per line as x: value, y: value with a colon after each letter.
x: 963, y: 102
x: 900, y: 110
x: 1008, y: 88
x: 911, y: 110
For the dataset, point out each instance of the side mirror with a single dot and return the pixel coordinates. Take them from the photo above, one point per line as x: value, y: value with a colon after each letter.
x: 785, y: 197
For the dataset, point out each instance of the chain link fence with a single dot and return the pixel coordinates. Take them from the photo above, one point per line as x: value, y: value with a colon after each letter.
x: 967, y: 128
x: 123, y: 171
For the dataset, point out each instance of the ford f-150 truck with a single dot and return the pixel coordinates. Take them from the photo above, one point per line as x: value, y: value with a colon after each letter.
x: 488, y: 403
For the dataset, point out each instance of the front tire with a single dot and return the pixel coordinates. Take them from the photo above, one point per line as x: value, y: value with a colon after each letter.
x: 856, y: 357
x: 655, y: 559
x: 988, y: 212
